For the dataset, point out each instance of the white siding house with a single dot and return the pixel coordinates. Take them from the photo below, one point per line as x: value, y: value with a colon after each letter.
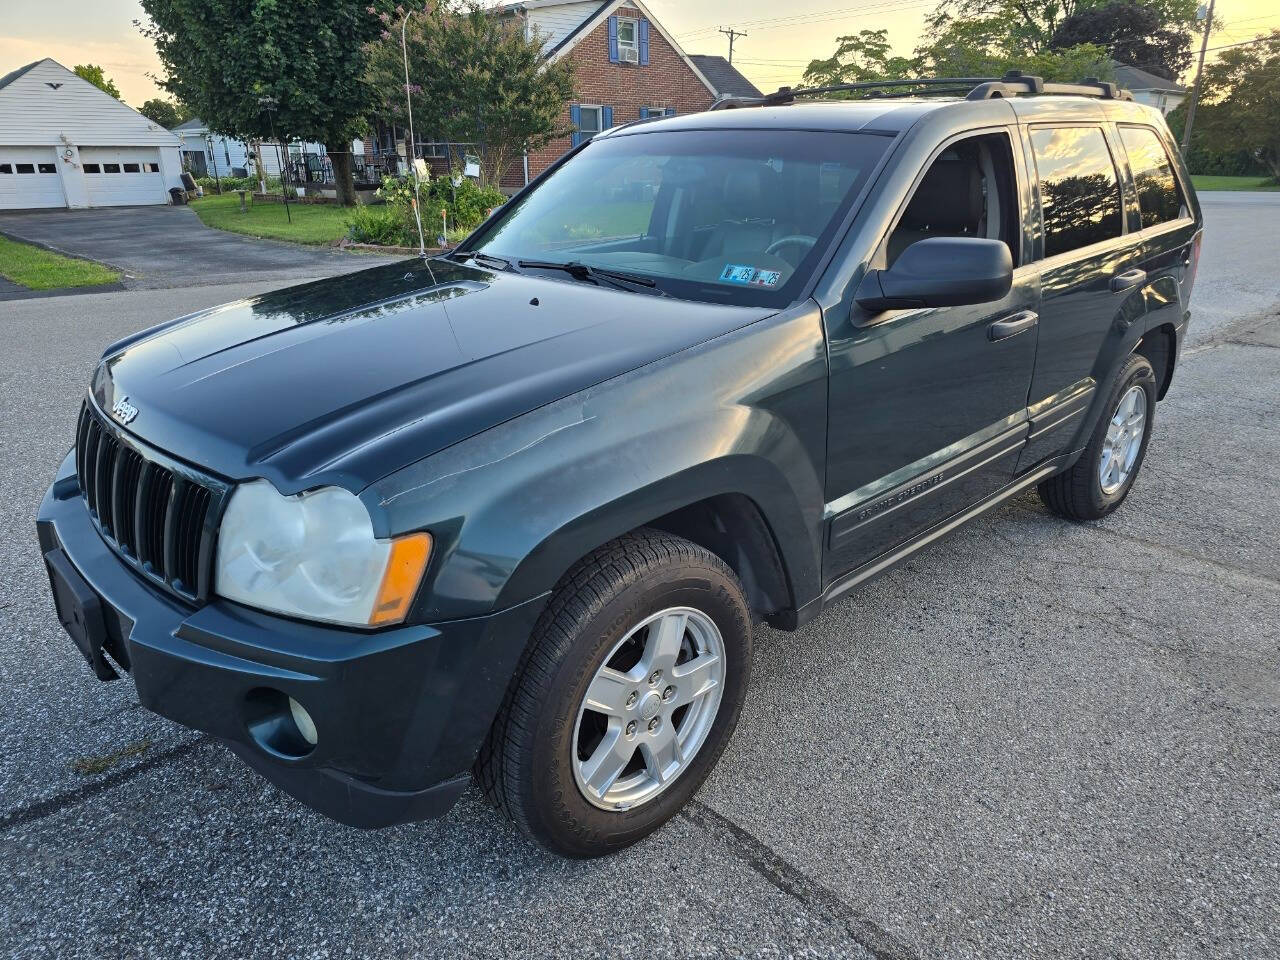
x: 65, y: 143
x: 554, y: 20
x: 205, y: 152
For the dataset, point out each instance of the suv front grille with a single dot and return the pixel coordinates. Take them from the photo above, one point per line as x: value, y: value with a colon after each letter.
x: 159, y: 515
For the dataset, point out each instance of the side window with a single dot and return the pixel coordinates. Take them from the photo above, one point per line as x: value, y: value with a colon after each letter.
x: 969, y: 191
x: 1079, y: 190
x: 1159, y: 198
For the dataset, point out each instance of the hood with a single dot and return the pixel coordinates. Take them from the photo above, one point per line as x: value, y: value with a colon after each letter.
x: 348, y: 379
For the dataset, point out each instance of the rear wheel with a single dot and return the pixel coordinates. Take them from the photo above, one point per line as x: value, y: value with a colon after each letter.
x: 1103, y: 476
x: 630, y: 689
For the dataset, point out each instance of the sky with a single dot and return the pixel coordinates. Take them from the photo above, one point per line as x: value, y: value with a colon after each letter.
x: 778, y: 45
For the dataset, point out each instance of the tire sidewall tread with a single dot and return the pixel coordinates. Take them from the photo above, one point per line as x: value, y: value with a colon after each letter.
x: 525, y: 765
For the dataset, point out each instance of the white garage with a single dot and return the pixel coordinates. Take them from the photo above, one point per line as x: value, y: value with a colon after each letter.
x: 123, y: 176
x: 29, y: 178
x: 65, y: 143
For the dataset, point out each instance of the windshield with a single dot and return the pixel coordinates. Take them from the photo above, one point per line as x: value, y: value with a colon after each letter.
x: 729, y: 216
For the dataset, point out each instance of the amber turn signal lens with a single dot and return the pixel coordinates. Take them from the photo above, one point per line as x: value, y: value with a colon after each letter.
x: 405, y: 567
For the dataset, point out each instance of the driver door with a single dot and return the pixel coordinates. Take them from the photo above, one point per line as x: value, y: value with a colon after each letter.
x: 928, y: 407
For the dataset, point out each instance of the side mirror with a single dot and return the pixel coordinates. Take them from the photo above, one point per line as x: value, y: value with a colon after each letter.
x: 940, y: 272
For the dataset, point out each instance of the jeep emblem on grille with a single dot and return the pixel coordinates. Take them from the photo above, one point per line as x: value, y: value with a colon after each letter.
x: 124, y: 411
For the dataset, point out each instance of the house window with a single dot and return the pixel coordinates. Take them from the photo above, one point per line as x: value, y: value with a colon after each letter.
x: 92, y: 168
x: 26, y: 168
x: 589, y: 125
x: 628, y: 37
x: 46, y: 168
x: 111, y: 168
x: 6, y: 168
x: 132, y: 168
x: 153, y: 167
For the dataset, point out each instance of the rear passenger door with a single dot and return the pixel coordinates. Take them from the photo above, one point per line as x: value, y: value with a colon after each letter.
x: 1090, y: 281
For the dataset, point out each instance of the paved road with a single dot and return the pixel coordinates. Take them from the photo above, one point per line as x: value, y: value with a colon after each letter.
x: 166, y: 247
x: 1035, y: 739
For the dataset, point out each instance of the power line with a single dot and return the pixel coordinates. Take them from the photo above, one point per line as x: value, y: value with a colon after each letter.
x: 1242, y: 43
x: 819, y: 16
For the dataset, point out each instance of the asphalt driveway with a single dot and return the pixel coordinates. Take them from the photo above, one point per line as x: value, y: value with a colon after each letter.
x: 163, y: 247
x: 1035, y: 739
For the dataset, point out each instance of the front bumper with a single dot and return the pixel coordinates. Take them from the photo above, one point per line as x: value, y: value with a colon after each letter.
x: 400, y: 714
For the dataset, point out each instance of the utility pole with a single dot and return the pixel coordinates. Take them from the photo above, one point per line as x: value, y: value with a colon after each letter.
x: 732, y: 34
x: 1195, y: 90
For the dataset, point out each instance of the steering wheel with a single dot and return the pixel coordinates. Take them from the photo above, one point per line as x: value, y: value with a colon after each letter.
x: 803, y: 241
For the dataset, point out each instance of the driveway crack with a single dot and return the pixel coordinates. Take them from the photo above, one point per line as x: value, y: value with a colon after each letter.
x: 69, y: 798
x: 795, y: 883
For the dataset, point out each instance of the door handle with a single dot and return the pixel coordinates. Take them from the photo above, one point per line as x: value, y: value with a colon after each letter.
x: 1012, y: 325
x: 1128, y: 280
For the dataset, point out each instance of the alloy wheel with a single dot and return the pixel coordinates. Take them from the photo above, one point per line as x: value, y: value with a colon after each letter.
x: 649, y: 709
x: 1123, y: 441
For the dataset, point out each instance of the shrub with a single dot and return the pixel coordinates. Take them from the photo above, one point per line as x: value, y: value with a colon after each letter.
x: 466, y: 204
x: 379, y: 224
x: 230, y: 184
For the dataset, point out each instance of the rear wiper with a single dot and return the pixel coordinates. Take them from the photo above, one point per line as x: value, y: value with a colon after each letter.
x: 488, y: 259
x: 584, y: 271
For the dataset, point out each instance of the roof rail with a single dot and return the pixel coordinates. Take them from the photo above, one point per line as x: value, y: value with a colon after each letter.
x: 973, y: 88
x: 1015, y: 82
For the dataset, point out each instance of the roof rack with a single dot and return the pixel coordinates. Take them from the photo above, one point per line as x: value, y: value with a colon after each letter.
x: 1012, y: 84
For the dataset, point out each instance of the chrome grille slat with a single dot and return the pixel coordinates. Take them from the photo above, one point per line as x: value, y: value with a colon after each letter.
x: 156, y: 515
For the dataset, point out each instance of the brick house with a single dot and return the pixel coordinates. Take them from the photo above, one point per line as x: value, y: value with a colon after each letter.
x: 627, y: 67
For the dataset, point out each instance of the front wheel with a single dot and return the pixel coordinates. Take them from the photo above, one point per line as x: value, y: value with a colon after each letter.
x: 631, y: 686
x: 1103, y: 476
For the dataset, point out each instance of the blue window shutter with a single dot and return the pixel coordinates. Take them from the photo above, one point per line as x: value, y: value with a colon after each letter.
x: 575, y: 117
x: 606, y: 118
x: 613, y: 39
x: 643, y: 30
x: 644, y: 113
x: 671, y: 111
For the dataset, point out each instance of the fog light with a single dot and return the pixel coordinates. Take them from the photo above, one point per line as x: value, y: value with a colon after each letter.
x: 306, y: 726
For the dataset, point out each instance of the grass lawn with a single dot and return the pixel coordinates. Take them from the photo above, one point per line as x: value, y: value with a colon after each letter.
x: 39, y: 269
x: 1232, y: 183
x: 317, y: 223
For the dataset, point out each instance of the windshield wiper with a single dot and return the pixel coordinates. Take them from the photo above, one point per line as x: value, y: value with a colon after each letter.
x: 488, y: 259
x: 584, y: 271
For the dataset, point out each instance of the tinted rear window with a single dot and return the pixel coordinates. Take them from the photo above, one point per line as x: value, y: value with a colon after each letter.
x: 1159, y: 198
x: 1079, y: 191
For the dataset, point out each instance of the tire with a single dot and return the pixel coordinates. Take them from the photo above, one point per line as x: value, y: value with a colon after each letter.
x: 535, y: 765
x: 1080, y: 493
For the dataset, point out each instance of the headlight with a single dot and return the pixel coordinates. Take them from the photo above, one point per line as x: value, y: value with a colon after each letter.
x: 315, y: 556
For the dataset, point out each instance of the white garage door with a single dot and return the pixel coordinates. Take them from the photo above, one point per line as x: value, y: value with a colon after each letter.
x: 29, y: 178
x: 122, y: 176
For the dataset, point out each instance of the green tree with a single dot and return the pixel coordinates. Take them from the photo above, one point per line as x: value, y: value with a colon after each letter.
x: 860, y: 57
x: 1242, y: 87
x: 966, y: 48
x: 474, y: 79
x: 225, y: 59
x: 1024, y: 27
x: 163, y: 112
x: 93, y: 73
x: 970, y: 49
x: 1131, y: 33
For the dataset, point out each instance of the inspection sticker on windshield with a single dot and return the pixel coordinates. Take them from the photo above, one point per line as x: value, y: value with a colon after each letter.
x: 749, y: 276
